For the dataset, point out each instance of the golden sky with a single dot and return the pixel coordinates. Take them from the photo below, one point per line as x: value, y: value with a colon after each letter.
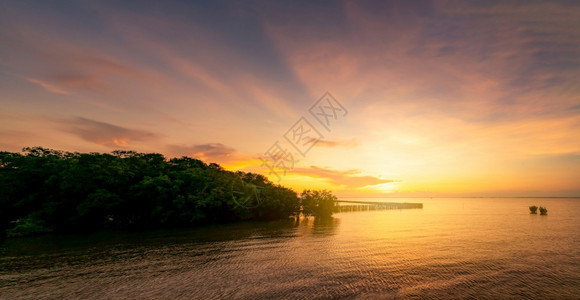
x: 439, y: 98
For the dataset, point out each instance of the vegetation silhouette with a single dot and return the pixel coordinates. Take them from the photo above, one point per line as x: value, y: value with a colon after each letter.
x: 543, y: 211
x: 533, y: 209
x: 45, y: 190
x: 318, y: 203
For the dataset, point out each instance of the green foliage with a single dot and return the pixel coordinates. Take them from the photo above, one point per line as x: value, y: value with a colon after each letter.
x: 318, y: 203
x: 43, y: 190
x: 533, y: 209
x: 33, y: 224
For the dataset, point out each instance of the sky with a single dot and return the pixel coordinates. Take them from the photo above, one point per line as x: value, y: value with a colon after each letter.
x: 395, y: 98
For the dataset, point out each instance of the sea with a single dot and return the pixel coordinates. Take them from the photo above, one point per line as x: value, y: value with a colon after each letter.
x: 452, y: 248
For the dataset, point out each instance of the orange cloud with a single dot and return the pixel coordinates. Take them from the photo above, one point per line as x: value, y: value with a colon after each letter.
x: 331, y: 144
x: 212, y: 152
x: 446, y: 96
x: 348, y: 178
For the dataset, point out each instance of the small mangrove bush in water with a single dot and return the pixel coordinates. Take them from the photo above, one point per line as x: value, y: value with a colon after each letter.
x: 543, y: 211
x: 533, y: 209
x: 318, y: 203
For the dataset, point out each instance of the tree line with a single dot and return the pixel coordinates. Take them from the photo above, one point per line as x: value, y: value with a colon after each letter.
x: 45, y: 190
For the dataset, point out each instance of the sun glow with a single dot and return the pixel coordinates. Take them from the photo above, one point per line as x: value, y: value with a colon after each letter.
x: 427, y: 111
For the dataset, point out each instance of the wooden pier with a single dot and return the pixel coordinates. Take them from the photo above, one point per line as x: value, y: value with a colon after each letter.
x: 367, y: 206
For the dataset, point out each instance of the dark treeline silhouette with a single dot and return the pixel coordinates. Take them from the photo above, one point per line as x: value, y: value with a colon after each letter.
x: 43, y: 190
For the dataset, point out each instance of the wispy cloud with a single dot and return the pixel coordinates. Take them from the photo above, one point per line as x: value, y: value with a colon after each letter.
x: 86, y: 82
x: 331, y: 144
x: 470, y: 61
x: 47, y: 86
x: 434, y: 89
x: 60, y: 65
x: 211, y: 152
x: 105, y: 134
x: 348, y: 178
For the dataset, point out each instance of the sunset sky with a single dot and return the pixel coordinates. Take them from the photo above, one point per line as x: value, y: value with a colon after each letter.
x: 440, y: 98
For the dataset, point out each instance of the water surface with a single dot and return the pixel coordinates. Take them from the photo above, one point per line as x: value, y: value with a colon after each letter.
x: 452, y: 248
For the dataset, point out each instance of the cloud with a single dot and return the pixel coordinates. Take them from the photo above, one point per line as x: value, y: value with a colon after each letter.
x: 110, y: 66
x: 348, y: 178
x: 106, y: 134
x: 226, y: 156
x: 60, y: 64
x: 467, y: 60
x: 86, y: 82
x: 433, y: 86
x: 211, y: 152
x: 47, y: 86
x: 95, y: 72
x: 213, y: 57
x: 331, y: 144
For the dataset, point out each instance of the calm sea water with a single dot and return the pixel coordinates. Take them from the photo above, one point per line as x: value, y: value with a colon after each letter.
x: 452, y: 248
